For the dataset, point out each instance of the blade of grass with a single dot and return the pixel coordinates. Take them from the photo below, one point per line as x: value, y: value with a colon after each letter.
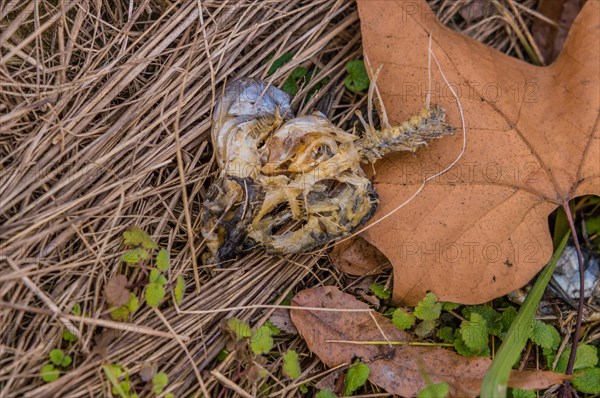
x: 496, y: 378
x: 561, y: 227
x: 113, y: 380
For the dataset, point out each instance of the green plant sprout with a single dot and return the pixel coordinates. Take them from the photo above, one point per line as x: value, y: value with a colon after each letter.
x: 58, y: 360
x: 141, y: 247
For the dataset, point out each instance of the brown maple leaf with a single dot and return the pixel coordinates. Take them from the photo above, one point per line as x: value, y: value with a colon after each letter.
x: 398, y: 369
x: 532, y: 144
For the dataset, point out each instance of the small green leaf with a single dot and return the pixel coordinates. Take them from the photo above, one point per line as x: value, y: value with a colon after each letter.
x: 357, y: 79
x: 240, y: 328
x: 544, y: 335
x: 161, y: 280
x: 389, y: 311
x: 134, y: 256
x: 492, y: 318
x: 162, y: 260
x: 137, y: 237
x: 556, y: 339
x: 587, y: 381
x: 169, y: 395
x: 475, y: 333
x: 56, y: 356
x: 297, y: 78
x: 317, y: 86
x: 122, y: 389
x: 402, y: 319
x: 291, y: 364
x: 133, y: 304
x: 154, y: 274
x: 66, y: 361
x: 222, y: 355
x: 425, y: 327
x: 113, y: 371
x: 279, y: 62
x: 274, y: 329
x: 461, y: 348
x: 303, y: 389
x: 325, y: 394
x: 587, y: 357
x: 154, y: 294
x: 437, y: 390
x: 380, y: 291
x: 159, y: 382
x: 518, y: 393
x: 446, y: 334
x: 549, y: 355
x: 448, y: 306
x: 120, y: 314
x: 76, y: 310
x: 508, y: 316
x: 68, y: 336
x: 428, y: 308
x: 49, y: 373
x: 288, y: 299
x: 261, y: 341
x: 356, y: 377
x: 592, y: 225
x: 179, y: 289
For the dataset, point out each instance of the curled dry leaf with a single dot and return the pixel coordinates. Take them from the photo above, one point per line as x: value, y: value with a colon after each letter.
x: 357, y: 257
x: 480, y: 230
x: 398, y: 369
x: 116, y: 291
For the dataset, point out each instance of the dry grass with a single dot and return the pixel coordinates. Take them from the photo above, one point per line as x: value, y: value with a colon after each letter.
x: 104, y: 124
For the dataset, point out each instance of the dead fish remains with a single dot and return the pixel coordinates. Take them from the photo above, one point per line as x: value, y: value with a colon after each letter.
x: 288, y: 184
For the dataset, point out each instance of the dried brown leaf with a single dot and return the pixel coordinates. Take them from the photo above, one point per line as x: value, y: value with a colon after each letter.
x: 147, y: 371
x: 357, y: 257
x: 533, y: 143
x: 398, y: 369
x: 281, y: 319
x: 103, y: 340
x: 332, y: 382
x: 116, y: 291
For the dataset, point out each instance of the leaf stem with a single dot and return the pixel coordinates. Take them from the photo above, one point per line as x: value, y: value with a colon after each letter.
x: 581, y: 303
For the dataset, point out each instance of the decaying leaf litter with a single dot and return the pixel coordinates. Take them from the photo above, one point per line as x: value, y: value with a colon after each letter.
x: 103, y: 127
x: 325, y: 333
